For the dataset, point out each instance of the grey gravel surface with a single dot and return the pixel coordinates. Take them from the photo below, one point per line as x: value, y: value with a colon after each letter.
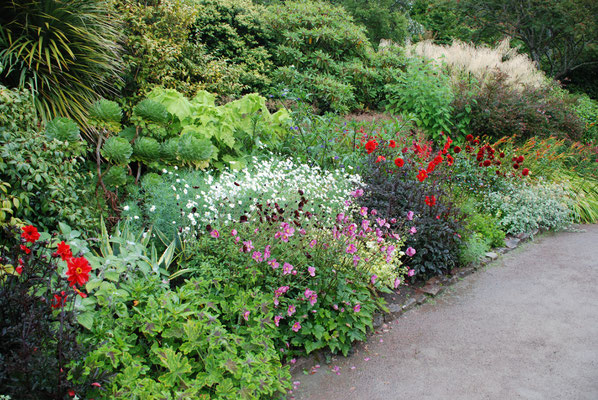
x: 524, y: 327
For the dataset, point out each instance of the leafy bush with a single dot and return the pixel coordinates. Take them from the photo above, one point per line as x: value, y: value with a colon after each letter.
x: 17, y: 110
x: 235, y: 31
x: 381, y: 18
x: 486, y: 227
x: 188, y: 342
x: 423, y: 90
x: 525, y: 208
x: 587, y: 109
x: 48, y: 179
x: 218, y: 46
x: 172, y: 130
x: 66, y: 51
x: 473, y: 249
x: 499, y: 110
x: 313, y: 42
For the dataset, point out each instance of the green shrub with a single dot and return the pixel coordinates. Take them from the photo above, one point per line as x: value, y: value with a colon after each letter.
x: 587, y: 109
x: 473, y: 249
x: 17, y: 110
x: 49, y: 179
x: 66, y: 51
x: 499, y: 109
x: 218, y: 46
x: 313, y: 40
x: 235, y: 31
x: 188, y: 342
x: 525, y: 208
x: 424, y: 91
x: 486, y: 227
x: 382, y: 19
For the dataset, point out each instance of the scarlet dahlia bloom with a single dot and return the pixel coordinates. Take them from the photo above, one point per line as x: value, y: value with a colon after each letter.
x: 487, y: 163
x: 399, y: 162
x: 457, y: 149
x: 449, y: 159
x: 392, y: 144
x: 520, y: 159
x: 525, y: 172
x: 64, y: 251
x: 78, y: 271
x: 469, y: 138
x: 422, y: 175
x: 516, y: 166
x: 431, y: 200
x: 30, y: 233
x: 371, y: 146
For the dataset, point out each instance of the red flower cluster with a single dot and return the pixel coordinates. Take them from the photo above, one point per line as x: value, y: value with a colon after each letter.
x: 431, y: 200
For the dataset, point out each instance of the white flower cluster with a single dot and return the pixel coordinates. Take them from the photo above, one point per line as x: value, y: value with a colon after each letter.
x: 223, y: 199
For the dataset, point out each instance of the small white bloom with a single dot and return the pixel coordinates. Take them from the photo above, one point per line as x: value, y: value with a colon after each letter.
x: 126, y: 208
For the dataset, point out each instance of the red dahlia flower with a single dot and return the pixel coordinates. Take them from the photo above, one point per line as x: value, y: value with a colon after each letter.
x: 520, y: 159
x: 399, y: 162
x: 525, y: 172
x: 487, y: 163
x: 422, y: 175
x: 469, y: 138
x: 78, y: 271
x: 431, y: 200
x: 64, y: 251
x: 516, y: 166
x: 392, y: 144
x: 371, y: 146
x: 457, y: 149
x: 30, y: 233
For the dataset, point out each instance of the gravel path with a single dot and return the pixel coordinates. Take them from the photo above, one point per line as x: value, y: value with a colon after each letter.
x: 524, y: 327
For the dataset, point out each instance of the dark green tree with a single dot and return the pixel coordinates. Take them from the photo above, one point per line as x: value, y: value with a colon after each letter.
x: 559, y: 35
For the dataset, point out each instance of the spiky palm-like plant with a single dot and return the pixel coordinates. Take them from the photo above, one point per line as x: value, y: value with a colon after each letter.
x: 67, y: 51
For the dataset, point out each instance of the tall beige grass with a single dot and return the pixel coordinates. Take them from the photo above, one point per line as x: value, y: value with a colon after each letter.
x: 483, y: 61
